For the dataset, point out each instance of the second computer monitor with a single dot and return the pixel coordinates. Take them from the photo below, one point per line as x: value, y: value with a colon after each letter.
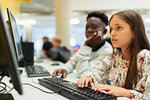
x: 15, y: 35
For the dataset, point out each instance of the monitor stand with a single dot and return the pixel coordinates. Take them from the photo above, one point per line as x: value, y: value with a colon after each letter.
x: 6, y: 96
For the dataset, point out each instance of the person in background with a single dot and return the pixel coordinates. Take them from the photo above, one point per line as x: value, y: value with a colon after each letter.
x: 57, y: 52
x: 47, y: 45
x: 126, y: 72
x: 56, y: 41
x: 93, y: 51
x: 45, y: 39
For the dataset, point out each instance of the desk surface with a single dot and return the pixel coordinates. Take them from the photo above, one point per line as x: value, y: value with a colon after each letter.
x: 30, y: 92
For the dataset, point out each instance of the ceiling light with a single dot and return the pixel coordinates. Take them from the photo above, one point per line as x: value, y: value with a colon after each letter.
x: 74, y: 21
x: 27, y: 22
x: 147, y: 20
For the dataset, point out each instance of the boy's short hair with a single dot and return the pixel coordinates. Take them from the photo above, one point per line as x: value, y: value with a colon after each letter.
x: 99, y: 15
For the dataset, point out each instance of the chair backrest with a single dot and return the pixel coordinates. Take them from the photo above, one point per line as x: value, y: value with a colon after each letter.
x: 60, y: 54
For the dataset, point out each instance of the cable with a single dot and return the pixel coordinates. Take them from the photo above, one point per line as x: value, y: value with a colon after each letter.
x: 38, y: 88
x: 3, y: 90
x: 3, y: 87
x: 1, y: 78
x: 10, y: 89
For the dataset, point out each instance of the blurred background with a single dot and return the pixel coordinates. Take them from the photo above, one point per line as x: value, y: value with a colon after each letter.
x: 66, y: 18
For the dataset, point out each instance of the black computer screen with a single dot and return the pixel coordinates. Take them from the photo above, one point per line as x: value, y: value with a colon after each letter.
x: 7, y: 55
x: 15, y: 34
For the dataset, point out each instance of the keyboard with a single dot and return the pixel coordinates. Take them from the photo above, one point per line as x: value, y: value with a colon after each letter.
x: 36, y: 71
x: 72, y: 91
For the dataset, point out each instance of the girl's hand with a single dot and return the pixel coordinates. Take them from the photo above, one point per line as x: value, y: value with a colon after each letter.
x: 113, y: 90
x: 84, y: 82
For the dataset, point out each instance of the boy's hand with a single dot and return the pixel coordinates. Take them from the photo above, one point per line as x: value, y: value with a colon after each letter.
x: 59, y: 71
x: 94, y: 40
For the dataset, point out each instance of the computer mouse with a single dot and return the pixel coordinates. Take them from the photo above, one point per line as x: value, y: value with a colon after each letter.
x: 59, y: 76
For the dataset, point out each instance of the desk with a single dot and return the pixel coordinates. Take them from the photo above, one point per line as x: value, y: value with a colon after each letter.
x: 31, y: 93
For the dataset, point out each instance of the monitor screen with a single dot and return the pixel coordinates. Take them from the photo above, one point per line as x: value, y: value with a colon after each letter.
x: 7, y: 56
x: 15, y: 35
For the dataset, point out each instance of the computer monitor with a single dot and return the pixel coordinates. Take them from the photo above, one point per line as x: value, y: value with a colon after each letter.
x: 7, y: 56
x: 15, y: 35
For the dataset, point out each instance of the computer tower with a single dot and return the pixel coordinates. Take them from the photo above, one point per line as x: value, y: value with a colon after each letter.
x: 28, y: 53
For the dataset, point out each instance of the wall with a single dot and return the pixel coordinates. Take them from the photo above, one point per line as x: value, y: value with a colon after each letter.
x: 13, y: 5
x: 88, y: 5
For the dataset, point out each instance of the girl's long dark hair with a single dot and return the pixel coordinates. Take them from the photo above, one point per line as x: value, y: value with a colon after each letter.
x: 139, y: 42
